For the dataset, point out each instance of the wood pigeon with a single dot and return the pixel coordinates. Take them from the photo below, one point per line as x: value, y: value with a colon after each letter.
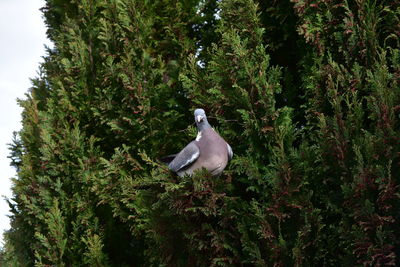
x: 209, y: 150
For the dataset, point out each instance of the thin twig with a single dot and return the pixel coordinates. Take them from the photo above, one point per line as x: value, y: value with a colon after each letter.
x: 186, y: 128
x: 222, y: 119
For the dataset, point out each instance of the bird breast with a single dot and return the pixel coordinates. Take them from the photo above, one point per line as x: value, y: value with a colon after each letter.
x: 212, y: 157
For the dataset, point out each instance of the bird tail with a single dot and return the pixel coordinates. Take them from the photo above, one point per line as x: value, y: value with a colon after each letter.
x: 167, y: 159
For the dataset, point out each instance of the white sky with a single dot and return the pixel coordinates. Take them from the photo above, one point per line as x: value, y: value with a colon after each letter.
x: 22, y: 39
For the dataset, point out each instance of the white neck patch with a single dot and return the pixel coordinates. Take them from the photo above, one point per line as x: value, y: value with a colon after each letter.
x: 198, y: 137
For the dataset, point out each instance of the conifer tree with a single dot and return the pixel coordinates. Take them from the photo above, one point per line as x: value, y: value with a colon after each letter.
x: 306, y: 92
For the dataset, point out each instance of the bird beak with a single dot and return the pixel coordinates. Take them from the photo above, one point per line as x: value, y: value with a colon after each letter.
x: 199, y: 118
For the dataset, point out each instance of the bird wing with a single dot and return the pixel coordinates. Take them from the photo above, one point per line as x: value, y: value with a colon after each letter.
x: 187, y: 156
x: 230, y: 151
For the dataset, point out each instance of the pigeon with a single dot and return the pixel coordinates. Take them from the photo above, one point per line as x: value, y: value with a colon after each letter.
x: 209, y: 150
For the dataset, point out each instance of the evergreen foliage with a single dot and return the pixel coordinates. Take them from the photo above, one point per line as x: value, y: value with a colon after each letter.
x: 306, y: 92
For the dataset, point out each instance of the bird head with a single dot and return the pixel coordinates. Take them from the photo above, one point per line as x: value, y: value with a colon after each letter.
x: 201, y: 119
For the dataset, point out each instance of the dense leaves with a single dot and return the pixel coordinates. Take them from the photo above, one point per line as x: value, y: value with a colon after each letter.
x: 306, y: 93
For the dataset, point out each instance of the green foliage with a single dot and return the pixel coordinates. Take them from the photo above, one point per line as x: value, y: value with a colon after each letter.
x: 306, y: 93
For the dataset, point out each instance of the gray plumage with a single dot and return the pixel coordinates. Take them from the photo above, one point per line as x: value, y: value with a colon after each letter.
x: 209, y: 150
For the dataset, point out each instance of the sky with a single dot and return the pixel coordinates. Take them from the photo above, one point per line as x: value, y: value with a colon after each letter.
x: 22, y: 46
